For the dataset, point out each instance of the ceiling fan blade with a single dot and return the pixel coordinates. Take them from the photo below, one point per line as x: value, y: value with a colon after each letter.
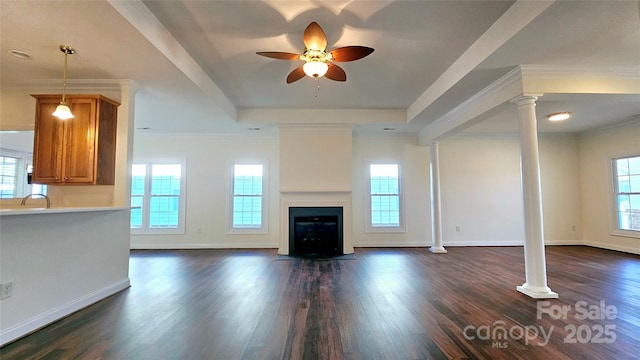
x: 350, y: 53
x: 279, y: 55
x: 295, y: 75
x: 336, y: 73
x: 314, y: 37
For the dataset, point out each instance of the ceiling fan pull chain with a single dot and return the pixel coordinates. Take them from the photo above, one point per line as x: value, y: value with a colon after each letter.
x: 317, y: 88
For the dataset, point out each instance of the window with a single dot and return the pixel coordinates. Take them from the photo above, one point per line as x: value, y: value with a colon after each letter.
x: 15, y: 175
x: 157, y: 197
x: 627, y: 192
x: 36, y: 188
x: 248, y: 203
x: 8, y: 175
x: 384, y: 194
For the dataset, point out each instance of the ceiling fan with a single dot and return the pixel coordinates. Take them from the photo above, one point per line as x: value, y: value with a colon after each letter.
x: 319, y: 62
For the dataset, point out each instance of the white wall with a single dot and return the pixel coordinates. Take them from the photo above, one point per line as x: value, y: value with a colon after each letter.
x: 59, y: 263
x: 315, y: 159
x: 596, y: 150
x: 482, y: 193
x: 481, y: 189
x: 414, y: 167
x: 209, y: 164
x: 560, y: 177
x: 18, y: 110
x: 209, y: 158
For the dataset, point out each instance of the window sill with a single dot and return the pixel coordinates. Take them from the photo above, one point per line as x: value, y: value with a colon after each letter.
x: 158, y: 232
x: 385, y: 229
x: 626, y: 233
x: 248, y: 231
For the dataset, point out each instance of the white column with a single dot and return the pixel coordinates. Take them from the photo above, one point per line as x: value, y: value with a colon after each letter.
x: 534, y: 257
x: 436, y: 212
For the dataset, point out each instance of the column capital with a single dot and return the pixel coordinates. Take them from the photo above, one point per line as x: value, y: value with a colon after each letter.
x: 525, y: 99
x: 434, y: 143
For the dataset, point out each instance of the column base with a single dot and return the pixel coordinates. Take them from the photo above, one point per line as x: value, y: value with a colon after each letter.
x: 537, y: 292
x: 438, y: 250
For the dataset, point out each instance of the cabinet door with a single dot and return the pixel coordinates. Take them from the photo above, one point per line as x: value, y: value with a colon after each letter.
x: 80, y: 143
x: 48, y: 137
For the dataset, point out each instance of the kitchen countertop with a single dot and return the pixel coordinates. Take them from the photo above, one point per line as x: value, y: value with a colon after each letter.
x: 57, y: 210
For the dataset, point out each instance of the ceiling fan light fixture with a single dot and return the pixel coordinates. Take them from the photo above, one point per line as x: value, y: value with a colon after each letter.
x: 315, y: 68
x: 559, y: 116
x: 63, y: 112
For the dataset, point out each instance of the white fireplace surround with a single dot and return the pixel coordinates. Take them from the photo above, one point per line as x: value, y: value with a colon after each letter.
x: 316, y: 199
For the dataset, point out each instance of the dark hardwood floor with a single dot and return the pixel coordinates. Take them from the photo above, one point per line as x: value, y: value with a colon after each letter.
x: 386, y: 304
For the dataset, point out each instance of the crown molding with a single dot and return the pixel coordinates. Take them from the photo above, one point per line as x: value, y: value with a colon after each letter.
x: 280, y: 116
x: 78, y: 85
x: 564, y: 79
x: 206, y: 135
x: 316, y: 127
x: 529, y: 70
x: 635, y: 121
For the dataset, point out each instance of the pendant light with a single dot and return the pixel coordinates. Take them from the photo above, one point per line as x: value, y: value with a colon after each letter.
x: 63, y: 112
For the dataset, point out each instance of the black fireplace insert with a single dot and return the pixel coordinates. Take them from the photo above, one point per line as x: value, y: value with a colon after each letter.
x: 315, y: 231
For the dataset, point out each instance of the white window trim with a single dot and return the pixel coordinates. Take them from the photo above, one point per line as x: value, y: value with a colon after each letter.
x: 369, y: 228
x: 180, y: 230
x: 23, y: 160
x: 264, y: 229
x: 613, y: 206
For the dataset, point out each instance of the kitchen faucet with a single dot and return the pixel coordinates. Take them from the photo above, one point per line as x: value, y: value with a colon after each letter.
x: 24, y: 199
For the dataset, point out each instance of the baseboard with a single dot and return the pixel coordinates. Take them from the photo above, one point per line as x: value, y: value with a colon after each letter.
x: 563, y: 242
x: 46, y: 318
x: 612, y: 247
x: 482, y: 243
x: 201, y: 246
x: 508, y: 243
x: 393, y: 244
x: 368, y: 245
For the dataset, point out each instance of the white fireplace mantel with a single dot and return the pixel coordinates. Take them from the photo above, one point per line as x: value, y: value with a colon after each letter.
x: 315, y: 199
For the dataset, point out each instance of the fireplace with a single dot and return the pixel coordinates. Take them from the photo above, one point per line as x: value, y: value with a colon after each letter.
x: 322, y: 201
x: 315, y: 231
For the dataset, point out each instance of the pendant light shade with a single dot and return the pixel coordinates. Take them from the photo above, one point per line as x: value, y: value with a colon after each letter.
x: 63, y: 112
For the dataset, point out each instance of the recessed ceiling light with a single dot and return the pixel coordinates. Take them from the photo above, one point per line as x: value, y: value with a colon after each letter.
x: 389, y: 129
x: 559, y: 116
x: 19, y: 54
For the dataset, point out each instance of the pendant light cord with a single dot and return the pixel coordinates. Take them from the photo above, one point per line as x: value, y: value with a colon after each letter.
x: 64, y: 77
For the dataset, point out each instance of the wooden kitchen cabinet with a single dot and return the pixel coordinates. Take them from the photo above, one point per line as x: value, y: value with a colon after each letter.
x: 76, y: 151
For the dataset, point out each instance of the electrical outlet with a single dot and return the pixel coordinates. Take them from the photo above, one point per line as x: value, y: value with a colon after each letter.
x: 573, y: 228
x: 6, y: 289
x: 199, y: 231
x: 457, y: 228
